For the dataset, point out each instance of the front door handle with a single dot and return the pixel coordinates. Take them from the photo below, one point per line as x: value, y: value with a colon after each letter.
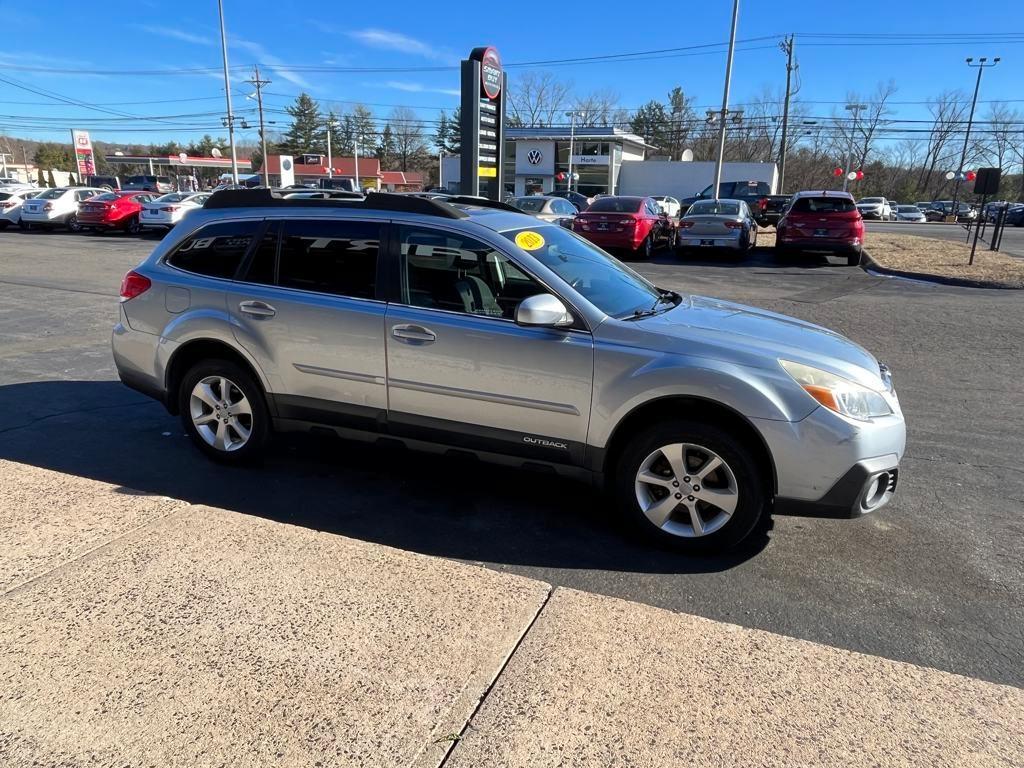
x: 413, y: 334
x: 257, y: 308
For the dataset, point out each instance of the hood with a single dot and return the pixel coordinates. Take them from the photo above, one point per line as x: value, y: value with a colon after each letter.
x: 758, y: 338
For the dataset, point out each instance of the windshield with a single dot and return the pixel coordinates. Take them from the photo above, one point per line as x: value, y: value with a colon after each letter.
x: 616, y: 205
x: 52, y: 194
x: 604, y: 281
x: 713, y: 207
x: 530, y: 204
x: 908, y: 209
x: 870, y: 201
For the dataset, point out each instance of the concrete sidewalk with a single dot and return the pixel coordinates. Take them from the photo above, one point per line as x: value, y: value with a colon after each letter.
x: 138, y: 630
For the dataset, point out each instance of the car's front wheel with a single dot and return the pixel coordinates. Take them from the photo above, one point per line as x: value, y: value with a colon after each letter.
x: 72, y: 223
x: 691, y: 486
x: 224, y: 412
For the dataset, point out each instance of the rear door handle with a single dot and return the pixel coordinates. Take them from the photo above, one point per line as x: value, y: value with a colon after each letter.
x: 257, y: 308
x: 412, y: 334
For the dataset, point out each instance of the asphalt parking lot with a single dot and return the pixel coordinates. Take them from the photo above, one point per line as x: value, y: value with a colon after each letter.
x: 935, y: 578
x: 1012, y: 243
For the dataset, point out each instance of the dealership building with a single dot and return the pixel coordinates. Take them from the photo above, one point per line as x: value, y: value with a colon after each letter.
x: 535, y: 156
x: 607, y: 161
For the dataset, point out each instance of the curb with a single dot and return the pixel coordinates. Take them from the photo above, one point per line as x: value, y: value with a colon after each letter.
x: 866, y: 263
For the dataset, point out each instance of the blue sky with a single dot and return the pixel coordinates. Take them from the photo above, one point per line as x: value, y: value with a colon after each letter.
x: 426, y: 38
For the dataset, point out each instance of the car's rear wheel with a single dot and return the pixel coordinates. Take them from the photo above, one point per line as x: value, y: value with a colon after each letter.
x: 72, y: 223
x: 853, y: 259
x: 690, y: 486
x: 134, y: 226
x: 224, y: 412
x: 645, y: 248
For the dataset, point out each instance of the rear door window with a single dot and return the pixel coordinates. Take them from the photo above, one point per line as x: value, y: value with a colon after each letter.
x: 336, y: 257
x: 216, y: 250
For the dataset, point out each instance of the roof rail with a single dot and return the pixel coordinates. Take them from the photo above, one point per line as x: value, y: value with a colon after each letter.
x: 482, y: 202
x: 262, y: 197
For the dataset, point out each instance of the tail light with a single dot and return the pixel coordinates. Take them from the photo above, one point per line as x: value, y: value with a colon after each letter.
x: 5, y: 204
x: 48, y: 207
x: 170, y: 208
x: 133, y: 284
x: 733, y: 225
x: 685, y: 224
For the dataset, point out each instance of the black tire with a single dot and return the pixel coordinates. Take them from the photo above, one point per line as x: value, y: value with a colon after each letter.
x: 252, y: 451
x: 645, y: 249
x: 853, y: 259
x: 753, y: 502
x: 3, y: 225
x: 71, y: 222
x: 134, y: 226
x: 24, y: 225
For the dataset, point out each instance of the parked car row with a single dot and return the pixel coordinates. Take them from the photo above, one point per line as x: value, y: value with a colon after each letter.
x: 94, y: 208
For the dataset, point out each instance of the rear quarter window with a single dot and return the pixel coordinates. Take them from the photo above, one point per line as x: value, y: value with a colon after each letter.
x: 216, y: 250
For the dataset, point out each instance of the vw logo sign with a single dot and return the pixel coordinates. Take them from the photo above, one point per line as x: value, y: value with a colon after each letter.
x: 534, y: 156
x: 287, y: 164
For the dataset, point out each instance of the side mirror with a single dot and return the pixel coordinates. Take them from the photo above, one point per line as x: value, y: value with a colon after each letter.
x: 543, y: 310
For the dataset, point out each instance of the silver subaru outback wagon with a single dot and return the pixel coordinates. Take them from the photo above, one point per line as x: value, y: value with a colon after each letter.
x: 467, y: 324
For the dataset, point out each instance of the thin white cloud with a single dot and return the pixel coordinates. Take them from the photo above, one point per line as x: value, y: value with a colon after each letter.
x: 408, y: 87
x: 271, y: 61
x: 175, y: 34
x: 396, y: 41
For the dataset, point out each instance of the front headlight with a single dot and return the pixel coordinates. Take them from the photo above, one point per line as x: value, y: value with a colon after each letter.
x: 836, y: 393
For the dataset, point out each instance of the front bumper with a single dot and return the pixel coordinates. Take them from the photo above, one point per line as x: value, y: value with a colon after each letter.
x: 830, y: 466
x: 873, y: 213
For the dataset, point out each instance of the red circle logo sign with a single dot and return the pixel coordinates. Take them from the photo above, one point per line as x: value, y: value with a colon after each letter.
x: 490, y: 73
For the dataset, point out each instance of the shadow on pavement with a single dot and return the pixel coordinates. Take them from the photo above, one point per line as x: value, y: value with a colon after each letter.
x: 451, y: 507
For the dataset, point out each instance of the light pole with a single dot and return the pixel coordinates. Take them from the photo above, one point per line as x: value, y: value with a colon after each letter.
x: 981, y: 66
x: 355, y: 156
x: 227, y: 94
x: 855, y: 108
x: 330, y: 161
x: 725, y: 96
x: 572, y: 137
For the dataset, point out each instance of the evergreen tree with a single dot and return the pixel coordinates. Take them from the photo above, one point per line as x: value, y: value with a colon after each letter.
x: 50, y: 155
x: 335, y: 126
x: 40, y: 181
x: 346, y: 137
x: 650, y: 122
x: 364, y: 129
x: 441, y: 137
x: 306, y: 132
x: 455, y: 132
x: 386, y: 148
x: 50, y: 181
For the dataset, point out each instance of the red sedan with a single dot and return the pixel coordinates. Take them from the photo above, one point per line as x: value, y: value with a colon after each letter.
x: 114, y: 210
x: 634, y: 224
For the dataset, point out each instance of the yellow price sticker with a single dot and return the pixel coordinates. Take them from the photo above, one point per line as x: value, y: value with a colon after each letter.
x: 529, y: 241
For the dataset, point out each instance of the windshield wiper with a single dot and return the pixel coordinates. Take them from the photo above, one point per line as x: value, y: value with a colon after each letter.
x: 665, y: 297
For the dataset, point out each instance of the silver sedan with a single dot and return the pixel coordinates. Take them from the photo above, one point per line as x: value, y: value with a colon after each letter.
x: 718, y: 224
x: 557, y: 210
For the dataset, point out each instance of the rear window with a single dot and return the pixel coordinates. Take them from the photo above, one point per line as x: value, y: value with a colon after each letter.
x: 173, y: 197
x: 216, y: 250
x: 823, y: 205
x: 52, y: 194
x: 616, y: 205
x: 714, y: 207
x: 530, y: 204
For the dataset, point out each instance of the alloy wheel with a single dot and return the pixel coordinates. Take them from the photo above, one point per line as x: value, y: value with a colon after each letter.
x: 73, y: 224
x: 221, y: 413
x: 686, y: 490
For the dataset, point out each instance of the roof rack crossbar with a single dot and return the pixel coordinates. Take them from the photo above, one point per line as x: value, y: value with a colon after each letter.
x: 482, y: 202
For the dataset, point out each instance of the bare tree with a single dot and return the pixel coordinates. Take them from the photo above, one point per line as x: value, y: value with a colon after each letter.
x: 596, y: 108
x: 538, y: 99
x: 948, y: 110
x: 1003, y: 130
x: 407, y: 132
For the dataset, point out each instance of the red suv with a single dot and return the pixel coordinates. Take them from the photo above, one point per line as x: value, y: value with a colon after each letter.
x: 821, y: 221
x: 634, y: 224
x: 113, y: 210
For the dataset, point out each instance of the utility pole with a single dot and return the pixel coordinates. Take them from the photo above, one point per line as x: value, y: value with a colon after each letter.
x: 263, y: 136
x: 572, y: 139
x: 725, y: 96
x: 787, y: 48
x: 855, y: 108
x: 227, y: 94
x: 981, y: 66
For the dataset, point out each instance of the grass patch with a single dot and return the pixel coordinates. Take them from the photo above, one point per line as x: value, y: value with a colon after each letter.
x: 929, y: 257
